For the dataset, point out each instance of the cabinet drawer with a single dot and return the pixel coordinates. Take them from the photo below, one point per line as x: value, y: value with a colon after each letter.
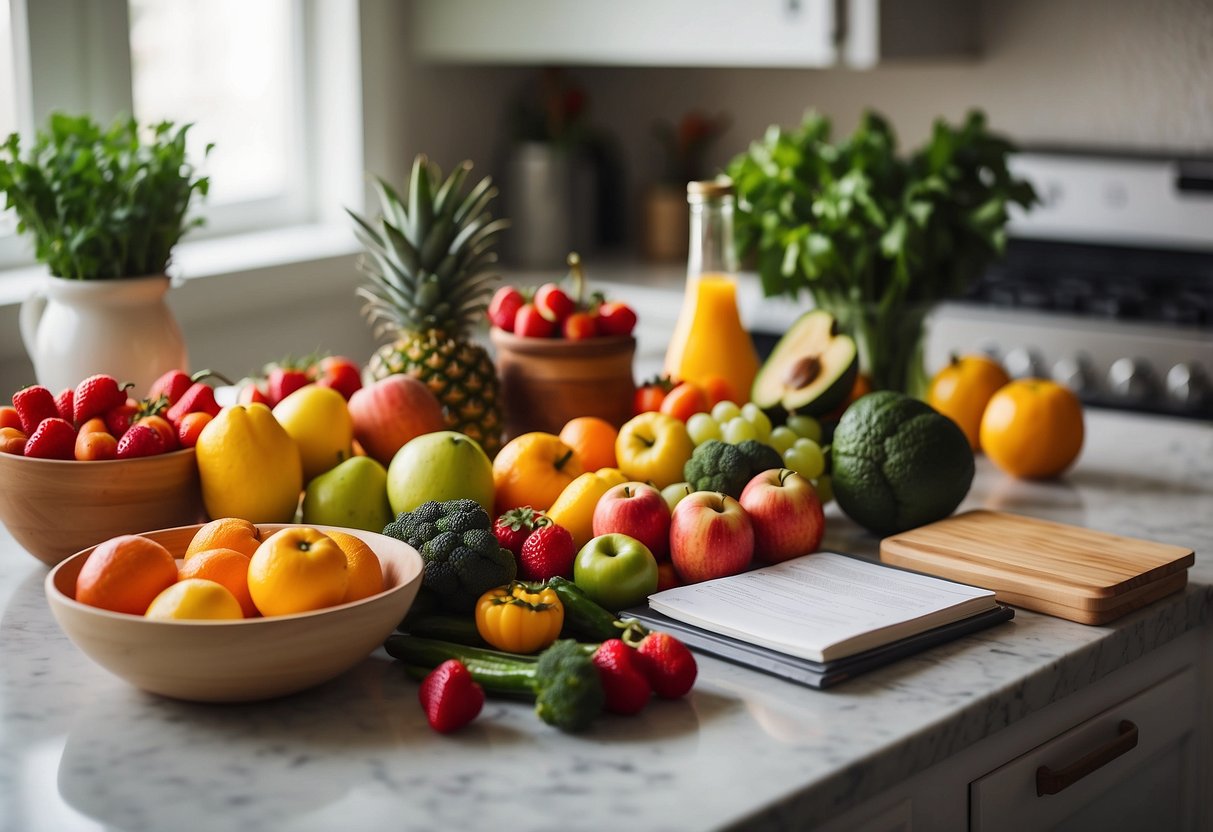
x: 1139, y: 773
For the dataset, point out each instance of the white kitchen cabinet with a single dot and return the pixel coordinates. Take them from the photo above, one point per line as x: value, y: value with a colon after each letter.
x: 698, y: 33
x: 1160, y: 784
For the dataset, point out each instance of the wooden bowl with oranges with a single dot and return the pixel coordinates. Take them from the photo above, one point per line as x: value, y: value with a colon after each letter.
x: 172, y: 629
x: 55, y: 507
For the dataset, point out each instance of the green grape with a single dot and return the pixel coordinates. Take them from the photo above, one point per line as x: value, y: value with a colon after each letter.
x: 805, y: 458
x: 738, y: 429
x: 805, y: 426
x: 703, y: 427
x: 781, y: 438
x: 724, y: 411
x: 825, y: 489
x: 753, y: 414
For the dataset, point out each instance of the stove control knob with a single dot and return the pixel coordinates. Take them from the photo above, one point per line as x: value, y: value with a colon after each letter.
x: 1022, y: 362
x: 1130, y: 379
x: 1074, y: 373
x: 1188, y: 386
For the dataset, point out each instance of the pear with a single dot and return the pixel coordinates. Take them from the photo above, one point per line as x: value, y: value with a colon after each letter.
x: 352, y: 495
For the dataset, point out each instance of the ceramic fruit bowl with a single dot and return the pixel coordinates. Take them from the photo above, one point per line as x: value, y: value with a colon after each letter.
x: 243, y: 660
x: 56, y: 507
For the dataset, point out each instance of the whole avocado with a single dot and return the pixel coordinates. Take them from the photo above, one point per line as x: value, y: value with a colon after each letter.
x: 898, y: 463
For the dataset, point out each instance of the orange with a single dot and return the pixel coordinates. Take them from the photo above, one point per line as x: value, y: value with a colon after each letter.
x: 962, y: 390
x: 1032, y: 428
x: 193, y: 599
x: 226, y: 533
x: 125, y: 574
x: 95, y: 444
x: 297, y: 569
x: 226, y: 567
x: 365, y: 571
x: 532, y: 470
x: 592, y: 440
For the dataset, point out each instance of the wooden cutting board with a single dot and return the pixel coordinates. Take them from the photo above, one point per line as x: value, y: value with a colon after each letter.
x: 1079, y: 574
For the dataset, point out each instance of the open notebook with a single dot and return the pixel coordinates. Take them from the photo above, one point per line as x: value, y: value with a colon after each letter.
x: 820, y: 618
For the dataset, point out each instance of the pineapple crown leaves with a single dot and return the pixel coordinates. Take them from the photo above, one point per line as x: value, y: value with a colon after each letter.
x: 430, y: 257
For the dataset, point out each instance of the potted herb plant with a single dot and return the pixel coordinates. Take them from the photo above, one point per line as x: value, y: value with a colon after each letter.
x: 876, y: 238
x: 105, y: 207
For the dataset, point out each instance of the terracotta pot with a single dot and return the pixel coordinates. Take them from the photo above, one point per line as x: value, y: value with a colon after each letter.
x: 545, y: 382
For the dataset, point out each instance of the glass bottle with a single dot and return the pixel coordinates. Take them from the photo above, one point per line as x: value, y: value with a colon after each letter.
x: 709, y: 340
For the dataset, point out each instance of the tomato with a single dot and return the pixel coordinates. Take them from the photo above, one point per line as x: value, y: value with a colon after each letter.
x: 962, y: 390
x: 650, y: 395
x: 717, y: 389
x: 1032, y: 428
x: 684, y: 401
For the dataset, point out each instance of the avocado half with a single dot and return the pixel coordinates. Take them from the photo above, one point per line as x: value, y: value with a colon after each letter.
x: 811, y: 370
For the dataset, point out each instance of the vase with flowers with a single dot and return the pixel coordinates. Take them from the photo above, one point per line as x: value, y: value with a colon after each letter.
x: 684, y: 148
x: 105, y: 208
x: 874, y: 237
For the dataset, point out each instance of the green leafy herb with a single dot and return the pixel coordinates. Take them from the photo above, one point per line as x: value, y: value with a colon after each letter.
x: 854, y: 222
x: 102, y: 203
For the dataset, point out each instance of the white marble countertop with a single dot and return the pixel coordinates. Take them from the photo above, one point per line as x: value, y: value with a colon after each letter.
x: 80, y: 750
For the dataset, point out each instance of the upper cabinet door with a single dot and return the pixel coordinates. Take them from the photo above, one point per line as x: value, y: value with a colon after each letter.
x: 694, y: 33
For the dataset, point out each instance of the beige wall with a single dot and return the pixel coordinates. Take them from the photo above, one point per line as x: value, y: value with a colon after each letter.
x: 1114, y: 73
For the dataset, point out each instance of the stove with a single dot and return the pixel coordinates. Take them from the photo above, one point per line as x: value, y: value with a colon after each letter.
x: 1107, y: 286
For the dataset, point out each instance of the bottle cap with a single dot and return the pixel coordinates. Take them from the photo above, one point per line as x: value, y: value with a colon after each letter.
x: 712, y: 188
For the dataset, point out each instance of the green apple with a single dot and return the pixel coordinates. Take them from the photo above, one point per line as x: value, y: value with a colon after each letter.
x: 444, y: 465
x: 616, y: 571
x: 352, y: 495
x: 672, y: 494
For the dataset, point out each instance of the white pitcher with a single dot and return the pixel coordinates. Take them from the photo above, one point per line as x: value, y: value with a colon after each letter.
x: 75, y: 328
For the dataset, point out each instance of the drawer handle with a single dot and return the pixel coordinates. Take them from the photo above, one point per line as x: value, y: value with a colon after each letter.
x: 1049, y: 781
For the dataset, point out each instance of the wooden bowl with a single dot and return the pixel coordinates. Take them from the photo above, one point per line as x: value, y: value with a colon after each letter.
x: 56, y: 507
x: 244, y: 660
x: 545, y: 382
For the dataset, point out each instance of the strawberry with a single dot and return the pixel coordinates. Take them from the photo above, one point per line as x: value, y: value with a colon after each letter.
x: 54, y: 438
x: 627, y: 689
x: 528, y: 323
x: 450, y: 697
x: 140, y: 440
x: 200, y: 398
x: 252, y: 393
x: 579, y: 326
x: 118, y: 419
x: 504, y: 306
x: 616, y: 318
x: 515, y: 526
x: 97, y: 394
x: 64, y: 404
x: 33, y: 405
x: 172, y: 385
x: 284, y: 380
x: 667, y: 663
x: 548, y: 552
x: 553, y: 303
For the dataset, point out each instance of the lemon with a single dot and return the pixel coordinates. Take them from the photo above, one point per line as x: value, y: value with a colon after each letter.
x: 318, y: 419
x: 195, y: 598
x: 249, y: 466
x: 898, y: 463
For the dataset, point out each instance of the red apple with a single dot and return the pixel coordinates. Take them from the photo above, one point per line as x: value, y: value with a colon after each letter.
x: 392, y: 411
x: 786, y: 514
x: 710, y: 537
x: 638, y: 510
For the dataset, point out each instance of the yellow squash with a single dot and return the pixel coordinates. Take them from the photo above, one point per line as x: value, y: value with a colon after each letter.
x: 574, y: 508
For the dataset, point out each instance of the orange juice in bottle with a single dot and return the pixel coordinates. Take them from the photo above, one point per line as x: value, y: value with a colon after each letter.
x: 709, y: 339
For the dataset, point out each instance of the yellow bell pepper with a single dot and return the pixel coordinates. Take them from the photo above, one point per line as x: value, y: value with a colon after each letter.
x: 574, y: 508
x: 519, y: 619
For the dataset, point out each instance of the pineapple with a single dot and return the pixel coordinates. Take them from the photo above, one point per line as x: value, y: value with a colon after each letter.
x: 430, y: 269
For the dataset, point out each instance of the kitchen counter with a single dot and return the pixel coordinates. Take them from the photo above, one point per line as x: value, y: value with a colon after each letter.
x: 80, y: 749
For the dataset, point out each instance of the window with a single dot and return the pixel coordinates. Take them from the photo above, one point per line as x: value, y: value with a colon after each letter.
x: 246, y: 74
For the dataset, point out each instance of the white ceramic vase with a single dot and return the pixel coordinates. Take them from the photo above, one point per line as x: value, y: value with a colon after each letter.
x: 73, y: 329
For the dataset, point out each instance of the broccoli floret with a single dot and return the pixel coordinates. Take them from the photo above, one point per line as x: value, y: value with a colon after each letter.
x: 717, y: 466
x: 568, y: 689
x: 760, y: 457
x: 462, y: 557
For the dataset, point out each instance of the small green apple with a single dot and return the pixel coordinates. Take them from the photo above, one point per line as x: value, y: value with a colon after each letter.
x: 444, y: 465
x: 352, y: 494
x: 672, y: 494
x: 616, y: 571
